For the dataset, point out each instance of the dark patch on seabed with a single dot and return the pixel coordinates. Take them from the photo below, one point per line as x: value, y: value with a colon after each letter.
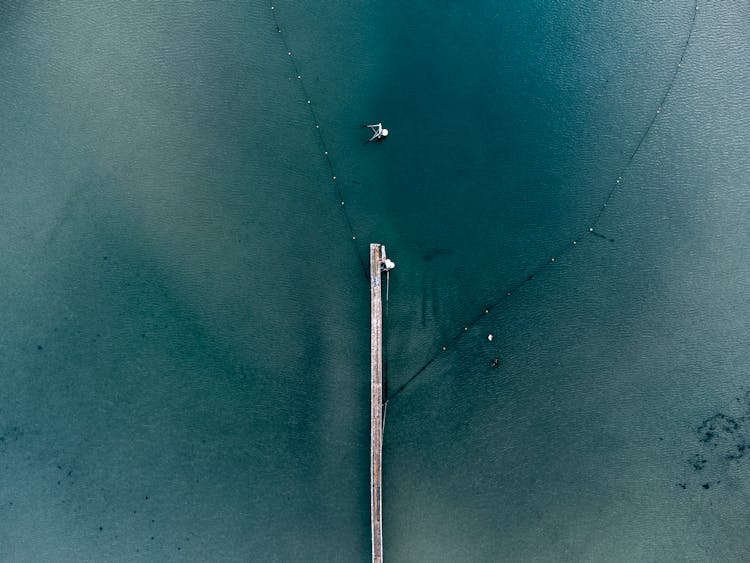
x: 9, y: 434
x: 722, y: 440
x: 435, y: 253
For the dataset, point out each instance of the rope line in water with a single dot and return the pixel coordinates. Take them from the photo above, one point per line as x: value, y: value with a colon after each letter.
x: 324, y: 146
x: 562, y: 249
x: 591, y: 230
x: 332, y: 171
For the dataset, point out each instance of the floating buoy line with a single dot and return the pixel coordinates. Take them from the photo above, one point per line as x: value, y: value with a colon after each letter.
x: 315, y: 122
x: 562, y: 249
x: 565, y: 248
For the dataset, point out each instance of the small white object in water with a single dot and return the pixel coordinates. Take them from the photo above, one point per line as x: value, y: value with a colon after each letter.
x: 490, y: 337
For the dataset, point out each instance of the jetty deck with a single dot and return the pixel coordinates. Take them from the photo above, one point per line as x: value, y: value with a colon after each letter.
x: 377, y: 257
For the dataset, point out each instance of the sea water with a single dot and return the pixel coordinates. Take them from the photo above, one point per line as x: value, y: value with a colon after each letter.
x: 185, y: 344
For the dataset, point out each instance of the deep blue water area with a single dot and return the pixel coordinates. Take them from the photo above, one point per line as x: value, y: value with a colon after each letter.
x: 185, y: 206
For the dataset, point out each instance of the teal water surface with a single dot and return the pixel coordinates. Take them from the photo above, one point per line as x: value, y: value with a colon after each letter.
x: 185, y: 345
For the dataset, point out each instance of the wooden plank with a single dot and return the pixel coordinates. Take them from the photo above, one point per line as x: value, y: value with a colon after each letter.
x: 377, y: 253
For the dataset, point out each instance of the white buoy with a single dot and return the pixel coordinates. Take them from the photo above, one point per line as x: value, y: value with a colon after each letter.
x: 490, y: 337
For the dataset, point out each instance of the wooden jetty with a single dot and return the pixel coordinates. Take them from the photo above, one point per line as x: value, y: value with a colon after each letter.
x: 378, y: 264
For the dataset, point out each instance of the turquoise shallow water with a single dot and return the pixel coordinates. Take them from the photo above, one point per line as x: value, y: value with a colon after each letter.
x: 185, y: 351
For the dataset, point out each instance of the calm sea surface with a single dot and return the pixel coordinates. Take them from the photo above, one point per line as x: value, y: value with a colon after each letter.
x: 184, y: 349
